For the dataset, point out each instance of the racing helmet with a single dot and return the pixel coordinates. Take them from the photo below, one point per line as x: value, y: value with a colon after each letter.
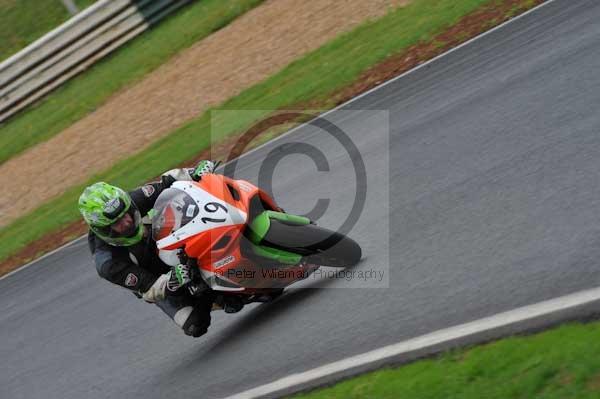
x: 101, y: 205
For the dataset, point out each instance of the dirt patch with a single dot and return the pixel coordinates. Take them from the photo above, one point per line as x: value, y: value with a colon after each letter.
x: 7, y: 3
x: 247, y: 51
x: 468, y: 27
x: 593, y: 383
x: 565, y: 378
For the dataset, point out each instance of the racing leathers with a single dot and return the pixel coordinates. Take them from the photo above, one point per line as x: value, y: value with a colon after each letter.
x: 138, y: 268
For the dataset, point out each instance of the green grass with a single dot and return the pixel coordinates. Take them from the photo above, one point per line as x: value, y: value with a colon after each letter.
x: 24, y: 21
x: 314, y: 76
x: 88, y: 91
x: 557, y: 364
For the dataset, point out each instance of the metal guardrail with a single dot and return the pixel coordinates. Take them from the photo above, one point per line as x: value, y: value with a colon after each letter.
x: 73, y: 47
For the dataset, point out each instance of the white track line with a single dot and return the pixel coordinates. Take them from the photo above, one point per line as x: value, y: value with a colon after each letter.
x: 343, y: 105
x: 446, y: 335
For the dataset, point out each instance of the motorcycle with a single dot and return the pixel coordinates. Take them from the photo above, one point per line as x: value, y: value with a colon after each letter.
x: 242, y: 245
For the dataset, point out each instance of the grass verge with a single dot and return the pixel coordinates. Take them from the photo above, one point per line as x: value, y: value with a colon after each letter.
x: 83, y: 94
x: 24, y: 21
x: 316, y: 79
x: 560, y: 363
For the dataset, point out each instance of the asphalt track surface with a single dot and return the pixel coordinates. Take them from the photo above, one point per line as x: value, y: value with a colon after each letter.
x: 482, y: 196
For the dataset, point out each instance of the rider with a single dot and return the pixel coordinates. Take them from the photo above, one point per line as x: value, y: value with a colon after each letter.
x: 125, y: 254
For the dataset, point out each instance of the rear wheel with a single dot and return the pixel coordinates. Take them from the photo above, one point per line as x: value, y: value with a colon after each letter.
x: 316, y: 244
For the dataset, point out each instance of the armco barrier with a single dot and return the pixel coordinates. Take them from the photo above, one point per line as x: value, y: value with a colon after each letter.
x: 74, y: 46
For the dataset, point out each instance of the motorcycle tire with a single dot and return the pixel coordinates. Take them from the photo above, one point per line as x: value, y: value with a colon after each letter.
x: 316, y: 244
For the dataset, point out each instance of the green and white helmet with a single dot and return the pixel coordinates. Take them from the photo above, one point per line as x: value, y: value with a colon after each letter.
x: 101, y: 205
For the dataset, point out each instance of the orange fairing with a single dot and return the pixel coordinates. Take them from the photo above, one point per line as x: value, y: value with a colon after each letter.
x: 217, y: 186
x: 214, y: 244
x: 201, y: 245
x: 219, y: 242
x: 208, y: 219
x: 236, y: 193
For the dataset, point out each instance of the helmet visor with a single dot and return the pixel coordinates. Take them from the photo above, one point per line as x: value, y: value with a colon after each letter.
x: 115, y: 209
x: 119, y: 236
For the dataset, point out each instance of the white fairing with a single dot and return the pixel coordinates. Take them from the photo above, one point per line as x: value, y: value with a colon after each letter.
x: 169, y: 257
x: 207, y: 218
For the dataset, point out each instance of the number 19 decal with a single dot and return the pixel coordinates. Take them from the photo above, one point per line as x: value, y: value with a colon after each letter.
x: 212, y: 207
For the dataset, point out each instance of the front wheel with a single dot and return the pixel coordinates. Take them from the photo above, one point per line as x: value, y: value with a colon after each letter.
x: 316, y: 244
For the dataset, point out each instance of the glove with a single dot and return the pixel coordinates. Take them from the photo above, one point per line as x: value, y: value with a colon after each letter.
x: 173, y: 175
x: 203, y: 168
x: 179, y: 276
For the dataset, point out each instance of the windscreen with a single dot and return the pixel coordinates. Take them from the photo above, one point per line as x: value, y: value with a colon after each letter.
x: 173, y: 209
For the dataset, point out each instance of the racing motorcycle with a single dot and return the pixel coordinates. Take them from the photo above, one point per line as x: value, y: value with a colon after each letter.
x: 242, y: 246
